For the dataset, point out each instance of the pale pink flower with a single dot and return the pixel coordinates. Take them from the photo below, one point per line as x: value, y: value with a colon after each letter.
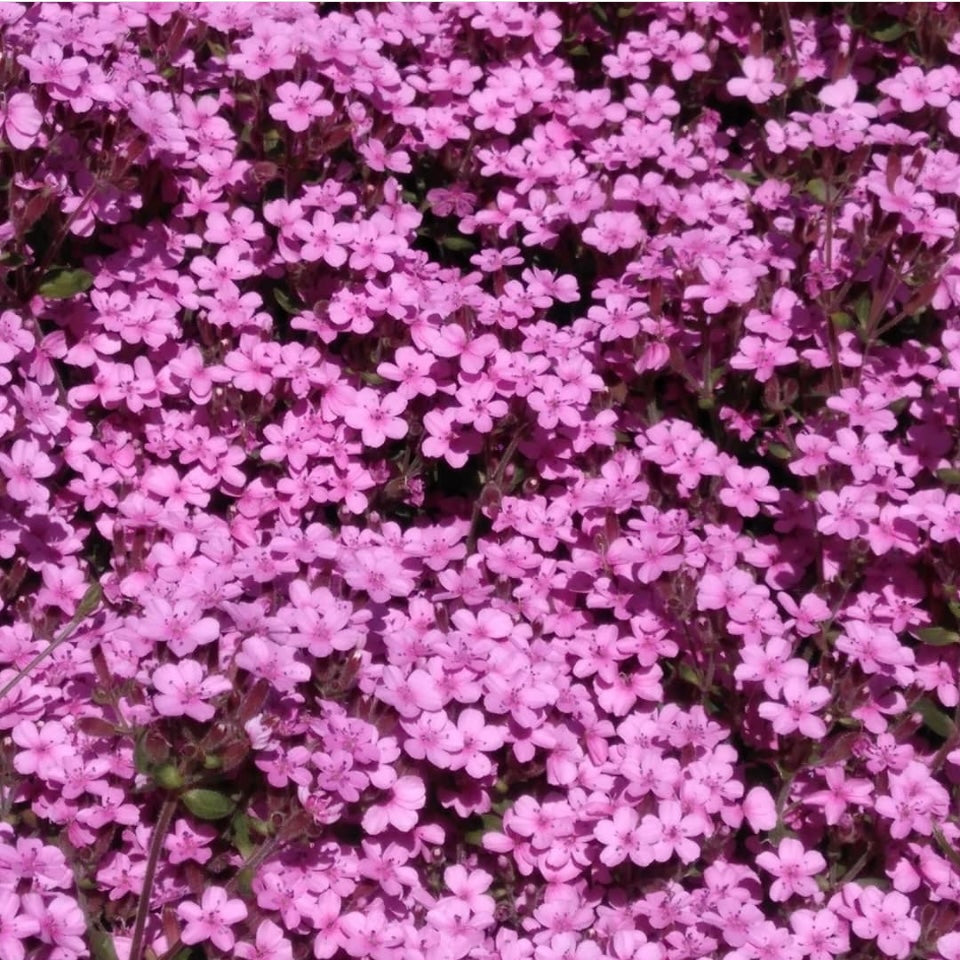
x: 794, y: 867
x: 183, y: 689
x: 757, y: 83
x: 212, y: 918
x: 21, y: 120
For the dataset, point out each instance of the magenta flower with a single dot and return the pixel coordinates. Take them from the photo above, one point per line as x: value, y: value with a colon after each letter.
x: 401, y: 811
x: 746, y: 489
x: 23, y: 467
x: 183, y: 689
x: 798, y: 711
x: 840, y: 793
x: 794, y: 867
x: 762, y: 356
x: 886, y: 918
x: 43, y: 749
x: 299, y: 106
x: 15, y: 927
x: 377, y: 417
x: 757, y: 83
x: 722, y: 286
x: 20, y: 120
x: 760, y: 810
x: 60, y: 920
x: 211, y: 919
x: 270, y: 944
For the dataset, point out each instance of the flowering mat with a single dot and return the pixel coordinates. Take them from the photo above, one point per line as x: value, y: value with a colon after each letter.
x: 479, y: 481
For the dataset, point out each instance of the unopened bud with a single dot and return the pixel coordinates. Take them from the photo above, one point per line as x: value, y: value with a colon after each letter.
x: 168, y: 777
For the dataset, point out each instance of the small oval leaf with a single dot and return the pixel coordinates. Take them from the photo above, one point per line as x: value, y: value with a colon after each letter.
x: 62, y: 284
x: 934, y: 718
x: 208, y: 804
x: 938, y: 636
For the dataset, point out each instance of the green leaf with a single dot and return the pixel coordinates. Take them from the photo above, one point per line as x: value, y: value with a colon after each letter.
x: 90, y: 600
x: 457, y: 244
x: 946, y: 846
x: 817, y: 189
x: 63, y: 284
x: 168, y: 777
x: 101, y: 943
x: 862, y: 309
x: 949, y: 475
x: 780, y: 451
x: 241, y: 835
x: 284, y: 301
x: 208, y: 804
x: 686, y: 673
x: 490, y: 823
x: 938, y: 636
x: 888, y: 34
x: 934, y: 718
x: 245, y: 883
x: 745, y: 176
x: 263, y: 827
x: 142, y: 761
x: 841, y: 320
x: 271, y: 140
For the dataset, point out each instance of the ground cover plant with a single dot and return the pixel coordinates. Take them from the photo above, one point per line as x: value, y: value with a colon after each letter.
x: 479, y: 480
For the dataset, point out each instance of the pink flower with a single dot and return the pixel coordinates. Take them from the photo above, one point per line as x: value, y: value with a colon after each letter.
x: 21, y: 120
x: 211, y: 919
x: 477, y: 739
x: 408, y: 796
x: 760, y: 810
x: 841, y: 792
x: 820, y: 934
x: 794, y: 867
x: 914, y: 89
x: 885, y: 917
x: 798, y: 710
x: 187, y: 842
x: 377, y: 417
x: 845, y: 513
x: 611, y: 232
x: 183, y: 689
x: 469, y: 887
x: 746, y: 489
x: 43, y: 749
x: 299, y: 105
x: 723, y: 285
x: 23, y: 467
x: 625, y: 836
x: 762, y: 356
x: 15, y: 927
x: 675, y: 832
x: 61, y: 923
x: 949, y: 946
x: 757, y: 83
x: 271, y: 944
x: 324, y: 238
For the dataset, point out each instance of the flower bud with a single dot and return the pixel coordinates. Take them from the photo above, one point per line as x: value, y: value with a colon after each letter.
x: 168, y: 777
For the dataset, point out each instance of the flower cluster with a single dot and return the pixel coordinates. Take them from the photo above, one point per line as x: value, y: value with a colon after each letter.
x: 479, y: 480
